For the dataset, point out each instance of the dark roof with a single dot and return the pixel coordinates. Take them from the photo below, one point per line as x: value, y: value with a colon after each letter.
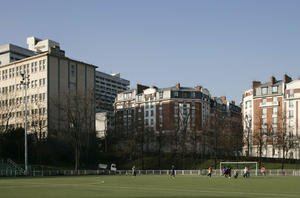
x: 279, y: 82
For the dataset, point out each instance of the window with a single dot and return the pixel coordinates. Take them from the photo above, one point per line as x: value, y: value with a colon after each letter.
x: 73, y: 70
x: 264, y: 111
x: 291, y: 104
x: 274, y: 110
x: 291, y: 93
x: 248, y: 105
x: 40, y: 65
x: 291, y: 113
x: 274, y: 89
x: 152, y: 122
x: 160, y: 95
x: 152, y: 113
x: 274, y: 121
x: 147, y: 113
x: 44, y: 64
x: 264, y: 122
x: 264, y: 90
x: 151, y: 105
x: 175, y: 94
x: 264, y: 101
x: 274, y: 99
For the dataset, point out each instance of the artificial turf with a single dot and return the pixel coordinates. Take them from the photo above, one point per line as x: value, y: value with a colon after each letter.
x: 149, y: 186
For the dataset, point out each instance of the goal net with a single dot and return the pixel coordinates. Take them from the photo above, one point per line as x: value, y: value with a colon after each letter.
x: 239, y: 167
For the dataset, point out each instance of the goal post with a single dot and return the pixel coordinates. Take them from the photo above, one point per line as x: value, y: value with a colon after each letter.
x: 240, y: 166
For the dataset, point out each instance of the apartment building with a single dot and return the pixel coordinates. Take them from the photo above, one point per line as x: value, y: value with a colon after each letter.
x: 270, y: 118
x: 158, y: 108
x: 54, y: 81
x: 172, y: 111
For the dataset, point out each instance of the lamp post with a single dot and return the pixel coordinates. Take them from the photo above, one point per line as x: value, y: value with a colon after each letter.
x: 25, y: 82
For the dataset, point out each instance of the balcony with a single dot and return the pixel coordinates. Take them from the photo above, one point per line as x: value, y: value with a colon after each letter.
x: 269, y: 104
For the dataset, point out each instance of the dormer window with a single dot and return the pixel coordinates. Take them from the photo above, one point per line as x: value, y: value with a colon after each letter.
x: 264, y: 90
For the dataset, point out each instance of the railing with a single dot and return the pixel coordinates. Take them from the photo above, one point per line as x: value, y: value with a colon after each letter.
x: 215, y: 173
x: 15, y: 165
x: 269, y: 104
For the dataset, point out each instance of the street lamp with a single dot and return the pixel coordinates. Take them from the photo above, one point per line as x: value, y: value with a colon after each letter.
x: 25, y: 82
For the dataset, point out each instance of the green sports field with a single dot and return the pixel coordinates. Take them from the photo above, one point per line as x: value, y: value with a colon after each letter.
x: 149, y: 186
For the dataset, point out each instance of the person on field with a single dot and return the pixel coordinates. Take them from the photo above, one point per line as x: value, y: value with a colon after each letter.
x: 224, y: 171
x: 246, y: 172
x: 263, y: 170
x: 173, y: 171
x: 235, y: 173
x: 133, y: 171
x: 209, y: 171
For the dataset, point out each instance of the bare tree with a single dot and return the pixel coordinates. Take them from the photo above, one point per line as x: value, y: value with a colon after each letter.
x: 260, y: 135
x: 285, y: 141
x: 217, y: 128
x: 38, y: 118
x: 205, y: 138
x: 247, y: 137
x: 237, y: 135
x: 78, y: 118
x: 8, y: 106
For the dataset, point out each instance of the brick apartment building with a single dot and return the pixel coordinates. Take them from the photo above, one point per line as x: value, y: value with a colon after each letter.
x: 186, y: 112
x: 270, y: 118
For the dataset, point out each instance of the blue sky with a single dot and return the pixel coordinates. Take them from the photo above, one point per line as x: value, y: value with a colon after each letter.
x: 220, y: 44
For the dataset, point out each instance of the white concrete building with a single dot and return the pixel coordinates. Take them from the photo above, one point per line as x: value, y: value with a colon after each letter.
x: 10, y: 53
x: 53, y: 79
x: 39, y: 45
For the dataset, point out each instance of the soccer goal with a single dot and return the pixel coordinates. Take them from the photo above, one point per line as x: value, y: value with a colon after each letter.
x: 252, y: 166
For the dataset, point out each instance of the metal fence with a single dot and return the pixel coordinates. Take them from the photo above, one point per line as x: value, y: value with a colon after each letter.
x: 40, y: 173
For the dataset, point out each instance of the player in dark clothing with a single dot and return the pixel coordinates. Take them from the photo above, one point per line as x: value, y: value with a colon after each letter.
x: 173, y: 171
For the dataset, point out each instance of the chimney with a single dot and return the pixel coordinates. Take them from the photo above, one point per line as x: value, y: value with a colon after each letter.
x: 273, y: 80
x: 255, y: 84
x: 286, y: 79
x: 223, y: 99
x: 178, y: 86
x: 198, y: 88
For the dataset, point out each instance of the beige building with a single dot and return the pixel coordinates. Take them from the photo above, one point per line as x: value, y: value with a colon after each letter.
x: 57, y: 84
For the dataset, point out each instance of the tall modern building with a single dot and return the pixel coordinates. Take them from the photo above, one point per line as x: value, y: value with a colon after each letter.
x: 271, y: 118
x: 107, y: 86
x: 55, y: 83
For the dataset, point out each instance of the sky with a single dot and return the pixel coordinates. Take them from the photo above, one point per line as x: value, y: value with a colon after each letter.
x: 222, y: 45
